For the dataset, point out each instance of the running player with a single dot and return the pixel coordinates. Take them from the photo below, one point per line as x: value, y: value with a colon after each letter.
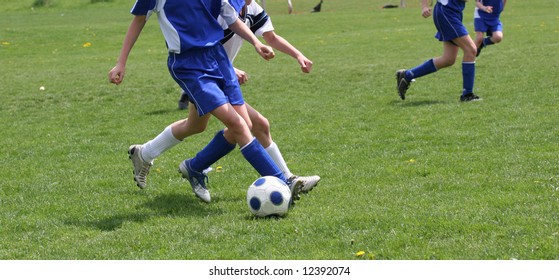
x: 199, y: 64
x: 487, y: 20
x: 447, y: 16
x: 256, y: 18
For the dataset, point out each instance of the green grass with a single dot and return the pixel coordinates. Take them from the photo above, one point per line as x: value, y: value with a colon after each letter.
x: 425, y: 178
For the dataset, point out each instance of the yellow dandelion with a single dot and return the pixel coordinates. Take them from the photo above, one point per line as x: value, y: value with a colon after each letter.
x: 411, y: 160
x: 5, y: 43
x: 360, y: 254
x: 218, y: 169
x: 87, y: 45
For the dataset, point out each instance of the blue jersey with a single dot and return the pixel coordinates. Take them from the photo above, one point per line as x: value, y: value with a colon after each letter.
x: 497, y: 5
x: 188, y: 24
x: 237, y: 4
x: 457, y: 5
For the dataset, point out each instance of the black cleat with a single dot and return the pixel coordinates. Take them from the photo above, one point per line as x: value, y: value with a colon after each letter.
x: 479, y: 49
x: 183, y: 101
x: 469, y: 97
x: 401, y: 83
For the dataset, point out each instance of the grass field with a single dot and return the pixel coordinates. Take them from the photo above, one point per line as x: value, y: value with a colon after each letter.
x: 424, y: 178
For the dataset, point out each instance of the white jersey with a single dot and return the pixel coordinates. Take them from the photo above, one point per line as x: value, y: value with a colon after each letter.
x: 255, y: 18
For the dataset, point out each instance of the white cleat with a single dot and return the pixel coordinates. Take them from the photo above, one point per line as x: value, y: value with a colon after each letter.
x: 308, y: 182
x: 141, y: 168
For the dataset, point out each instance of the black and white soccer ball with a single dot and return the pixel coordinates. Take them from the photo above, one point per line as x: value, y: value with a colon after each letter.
x: 268, y: 196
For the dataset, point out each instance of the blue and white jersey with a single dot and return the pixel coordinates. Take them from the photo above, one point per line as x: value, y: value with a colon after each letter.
x: 497, y: 5
x: 457, y: 5
x: 185, y: 23
x: 255, y: 17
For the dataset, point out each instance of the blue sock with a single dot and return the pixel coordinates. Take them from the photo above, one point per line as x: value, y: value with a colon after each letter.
x: 425, y: 68
x: 216, y: 149
x: 487, y: 41
x: 468, y: 76
x: 261, y: 160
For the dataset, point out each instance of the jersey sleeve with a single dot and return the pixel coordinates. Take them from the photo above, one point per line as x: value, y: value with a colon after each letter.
x: 260, y: 22
x: 143, y: 7
x: 228, y: 13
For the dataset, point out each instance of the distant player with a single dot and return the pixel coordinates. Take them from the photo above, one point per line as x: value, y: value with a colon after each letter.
x: 487, y: 21
x: 447, y: 16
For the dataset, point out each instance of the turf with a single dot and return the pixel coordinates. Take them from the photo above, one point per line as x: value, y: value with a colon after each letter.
x: 425, y: 178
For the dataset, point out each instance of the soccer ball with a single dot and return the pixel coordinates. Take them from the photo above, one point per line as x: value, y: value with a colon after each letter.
x: 268, y: 196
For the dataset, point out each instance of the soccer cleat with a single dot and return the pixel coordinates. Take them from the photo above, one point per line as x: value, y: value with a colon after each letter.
x: 479, y: 49
x: 401, y: 83
x: 308, y: 182
x: 197, y: 180
x: 183, y: 101
x: 141, y: 168
x: 294, y: 183
x: 469, y: 97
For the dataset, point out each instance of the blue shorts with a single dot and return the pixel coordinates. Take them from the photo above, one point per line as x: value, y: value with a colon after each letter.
x: 487, y: 26
x: 448, y: 22
x: 207, y: 76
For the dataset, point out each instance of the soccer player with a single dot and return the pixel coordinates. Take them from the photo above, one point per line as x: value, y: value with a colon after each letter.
x: 487, y: 20
x: 447, y: 16
x: 199, y: 64
x: 260, y: 23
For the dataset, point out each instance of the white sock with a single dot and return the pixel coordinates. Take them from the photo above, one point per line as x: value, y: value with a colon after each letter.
x: 275, y: 153
x: 158, y: 145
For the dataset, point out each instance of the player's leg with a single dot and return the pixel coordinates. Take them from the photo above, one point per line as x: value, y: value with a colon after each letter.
x: 218, y: 147
x: 194, y: 124
x: 142, y: 156
x: 496, y: 37
x: 448, y: 57
x: 184, y: 101
x: 479, y: 42
x: 261, y: 130
x: 481, y: 28
x: 260, y: 126
x: 405, y: 77
x: 468, y: 67
x: 494, y: 34
x: 237, y: 132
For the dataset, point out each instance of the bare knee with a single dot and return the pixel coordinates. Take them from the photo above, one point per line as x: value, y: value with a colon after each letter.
x: 197, y: 127
x: 187, y: 127
x: 261, y: 130
x: 497, y: 38
x: 260, y: 125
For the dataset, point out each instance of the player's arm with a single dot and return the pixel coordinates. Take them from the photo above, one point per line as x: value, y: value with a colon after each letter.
x: 279, y: 43
x: 116, y: 75
x: 242, y: 30
x: 487, y: 9
x: 242, y: 76
x: 425, y: 9
x: 231, y: 18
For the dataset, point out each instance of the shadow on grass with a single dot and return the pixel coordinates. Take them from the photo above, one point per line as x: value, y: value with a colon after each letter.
x: 408, y: 103
x: 161, y: 112
x: 167, y: 205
